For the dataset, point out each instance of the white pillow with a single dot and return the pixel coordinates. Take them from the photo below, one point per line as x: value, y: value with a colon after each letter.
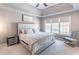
x: 30, y: 31
x: 36, y: 31
x: 23, y: 31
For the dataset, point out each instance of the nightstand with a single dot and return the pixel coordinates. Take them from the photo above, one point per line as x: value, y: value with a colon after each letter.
x: 12, y: 40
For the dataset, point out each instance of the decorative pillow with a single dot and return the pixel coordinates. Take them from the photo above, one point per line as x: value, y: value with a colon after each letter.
x: 36, y: 30
x: 22, y: 31
x: 33, y: 30
x: 30, y: 31
x: 25, y: 31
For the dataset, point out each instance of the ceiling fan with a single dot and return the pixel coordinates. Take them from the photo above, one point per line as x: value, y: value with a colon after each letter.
x: 43, y: 4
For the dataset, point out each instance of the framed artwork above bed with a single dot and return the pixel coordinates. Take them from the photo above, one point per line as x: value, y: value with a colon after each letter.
x: 27, y: 19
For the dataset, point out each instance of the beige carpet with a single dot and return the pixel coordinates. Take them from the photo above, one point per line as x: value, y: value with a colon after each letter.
x: 58, y: 48
x: 17, y: 49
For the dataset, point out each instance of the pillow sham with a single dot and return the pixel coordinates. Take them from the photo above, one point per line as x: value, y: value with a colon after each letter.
x: 30, y: 31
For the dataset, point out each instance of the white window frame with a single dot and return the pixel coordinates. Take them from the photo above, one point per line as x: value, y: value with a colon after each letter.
x: 59, y: 26
x: 69, y: 26
x: 52, y: 27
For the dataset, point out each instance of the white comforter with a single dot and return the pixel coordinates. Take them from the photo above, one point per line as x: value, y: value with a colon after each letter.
x: 36, y: 40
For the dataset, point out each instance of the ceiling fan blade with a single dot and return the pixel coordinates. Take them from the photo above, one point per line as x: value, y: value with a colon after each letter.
x: 37, y: 5
x: 45, y: 4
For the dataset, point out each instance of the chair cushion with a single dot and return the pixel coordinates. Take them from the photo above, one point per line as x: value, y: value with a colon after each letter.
x: 75, y: 35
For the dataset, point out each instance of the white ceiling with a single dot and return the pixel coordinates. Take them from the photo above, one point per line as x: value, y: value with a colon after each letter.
x: 41, y: 5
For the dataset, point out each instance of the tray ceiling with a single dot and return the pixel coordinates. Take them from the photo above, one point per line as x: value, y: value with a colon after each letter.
x: 41, y: 5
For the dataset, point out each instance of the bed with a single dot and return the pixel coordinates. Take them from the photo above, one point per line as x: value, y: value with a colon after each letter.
x: 36, y: 42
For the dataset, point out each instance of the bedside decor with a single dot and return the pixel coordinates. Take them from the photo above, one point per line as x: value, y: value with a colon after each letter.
x: 12, y: 40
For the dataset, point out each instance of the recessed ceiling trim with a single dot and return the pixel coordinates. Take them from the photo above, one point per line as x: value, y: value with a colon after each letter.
x: 59, y: 13
x: 41, y: 6
x: 32, y: 6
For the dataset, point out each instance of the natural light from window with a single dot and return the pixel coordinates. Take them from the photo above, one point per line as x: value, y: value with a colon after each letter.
x: 62, y: 26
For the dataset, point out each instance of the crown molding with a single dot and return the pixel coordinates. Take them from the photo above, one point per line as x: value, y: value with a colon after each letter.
x: 58, y: 13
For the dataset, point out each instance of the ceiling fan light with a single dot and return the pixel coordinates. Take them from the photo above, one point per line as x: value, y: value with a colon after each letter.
x: 37, y: 5
x: 41, y: 3
x: 45, y: 4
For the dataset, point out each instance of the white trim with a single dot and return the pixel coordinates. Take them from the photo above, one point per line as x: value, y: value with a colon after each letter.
x: 59, y: 13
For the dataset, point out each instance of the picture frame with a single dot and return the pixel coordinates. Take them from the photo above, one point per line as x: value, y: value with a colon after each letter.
x: 27, y: 19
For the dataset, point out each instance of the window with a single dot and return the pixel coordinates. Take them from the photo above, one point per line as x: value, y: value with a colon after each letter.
x: 55, y: 27
x: 64, y: 28
x: 60, y: 25
x: 48, y: 27
x: 52, y: 27
x: 65, y: 25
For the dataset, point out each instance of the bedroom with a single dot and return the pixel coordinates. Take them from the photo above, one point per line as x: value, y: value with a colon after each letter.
x: 57, y: 20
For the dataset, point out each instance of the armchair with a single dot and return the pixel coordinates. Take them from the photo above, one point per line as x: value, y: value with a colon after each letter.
x: 73, y: 38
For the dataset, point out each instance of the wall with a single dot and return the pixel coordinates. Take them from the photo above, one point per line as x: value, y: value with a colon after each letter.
x: 7, y: 25
x: 8, y: 21
x: 74, y: 20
